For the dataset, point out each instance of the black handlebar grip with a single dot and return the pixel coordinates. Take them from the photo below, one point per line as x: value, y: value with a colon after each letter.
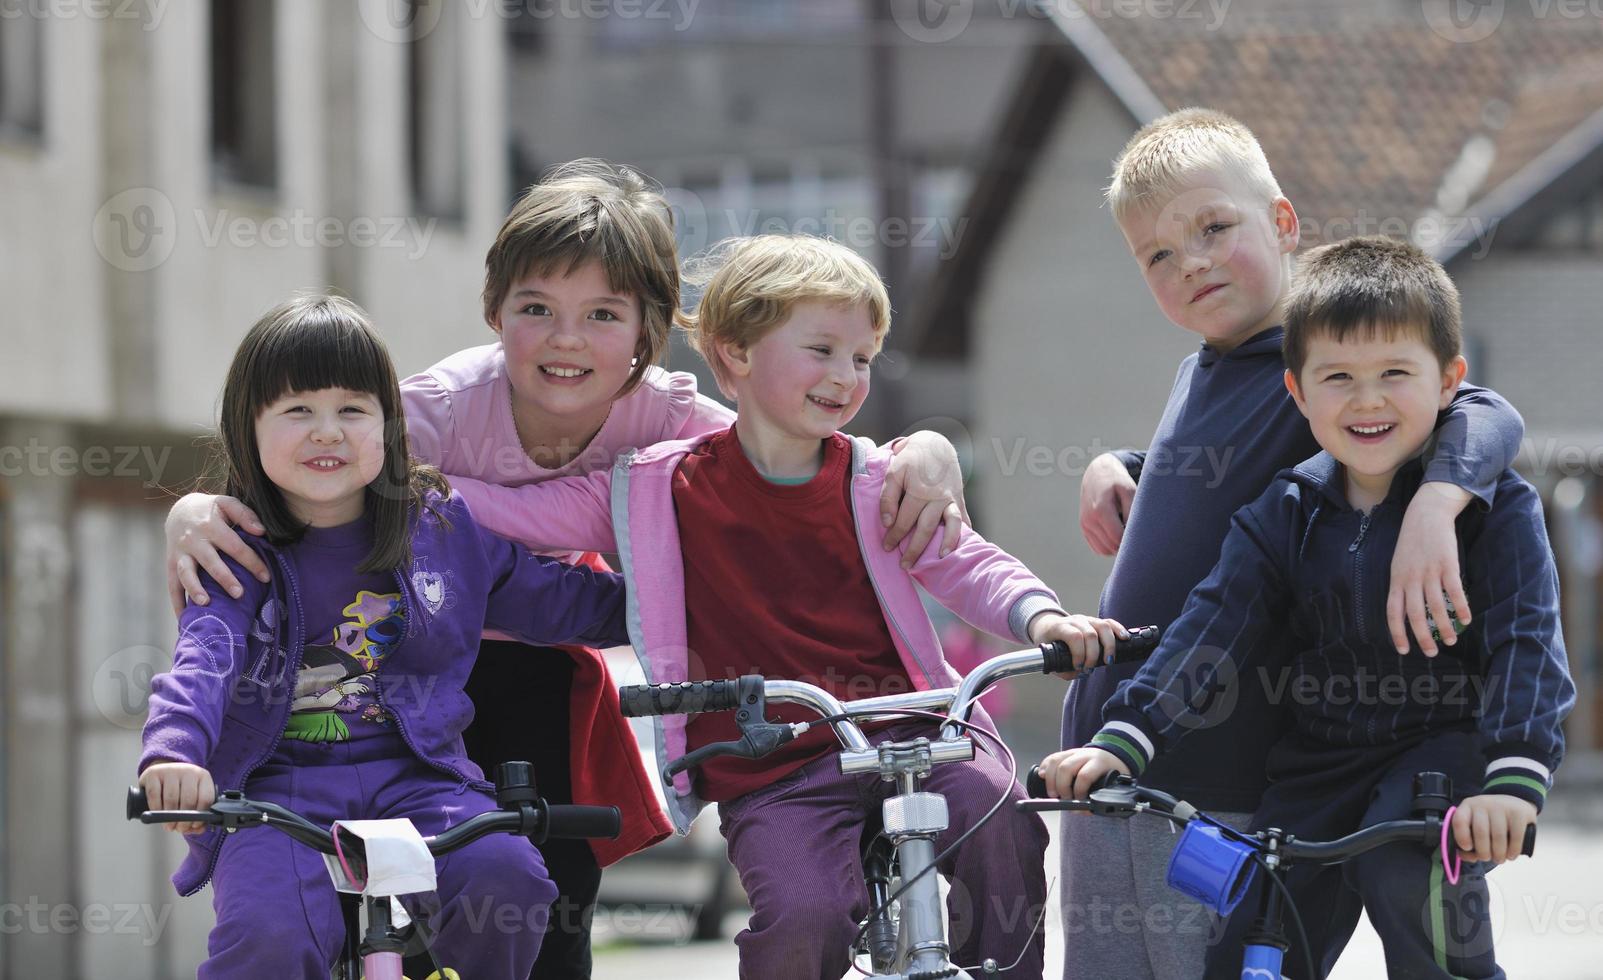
x: 583, y: 821
x: 1055, y: 658
x: 1035, y: 784
x: 689, y: 698
x: 137, y: 803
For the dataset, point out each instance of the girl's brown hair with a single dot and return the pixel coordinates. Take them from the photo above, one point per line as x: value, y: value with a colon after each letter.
x: 594, y: 211
x: 311, y: 343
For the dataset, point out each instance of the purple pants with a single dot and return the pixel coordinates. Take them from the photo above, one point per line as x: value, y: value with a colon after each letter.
x: 277, y: 911
x: 796, y: 845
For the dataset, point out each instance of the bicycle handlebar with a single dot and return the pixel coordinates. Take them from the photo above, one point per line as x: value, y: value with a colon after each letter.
x: 1119, y: 795
x: 696, y: 697
x: 540, y: 820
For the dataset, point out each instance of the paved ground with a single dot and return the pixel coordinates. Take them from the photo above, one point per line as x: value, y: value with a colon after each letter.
x: 1548, y: 910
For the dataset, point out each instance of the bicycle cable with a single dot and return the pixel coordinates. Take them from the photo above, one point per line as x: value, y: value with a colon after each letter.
x: 1296, y: 917
x: 1010, y: 764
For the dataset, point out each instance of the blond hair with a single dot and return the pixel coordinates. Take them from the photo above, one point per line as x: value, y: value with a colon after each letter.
x: 750, y: 285
x: 594, y: 211
x: 1166, y: 152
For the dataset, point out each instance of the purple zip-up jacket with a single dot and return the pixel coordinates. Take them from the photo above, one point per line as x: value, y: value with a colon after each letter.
x: 226, y: 700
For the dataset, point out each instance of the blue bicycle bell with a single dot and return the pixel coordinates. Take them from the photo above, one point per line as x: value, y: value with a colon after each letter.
x: 1210, y: 867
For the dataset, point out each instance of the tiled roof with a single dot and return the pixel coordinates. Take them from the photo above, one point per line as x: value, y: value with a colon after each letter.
x: 1368, y: 111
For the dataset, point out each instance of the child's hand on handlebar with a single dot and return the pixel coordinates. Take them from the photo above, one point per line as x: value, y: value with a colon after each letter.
x: 1073, y: 773
x: 1491, y: 827
x: 178, y: 786
x: 1090, y: 641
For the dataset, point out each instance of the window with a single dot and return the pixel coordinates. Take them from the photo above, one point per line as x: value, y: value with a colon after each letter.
x: 434, y: 113
x: 21, y: 57
x: 244, y: 125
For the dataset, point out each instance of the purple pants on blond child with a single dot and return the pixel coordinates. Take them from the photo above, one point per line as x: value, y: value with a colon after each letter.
x: 796, y: 844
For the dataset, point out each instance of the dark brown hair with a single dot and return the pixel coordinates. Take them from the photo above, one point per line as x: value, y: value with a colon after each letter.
x: 1371, y: 286
x: 308, y: 344
x: 594, y: 211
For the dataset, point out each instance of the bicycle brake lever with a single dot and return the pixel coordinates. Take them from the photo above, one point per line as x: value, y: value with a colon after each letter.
x: 759, y: 740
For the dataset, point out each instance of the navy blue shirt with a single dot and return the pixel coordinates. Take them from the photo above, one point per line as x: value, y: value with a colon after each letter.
x: 1228, y: 428
x: 1300, y: 563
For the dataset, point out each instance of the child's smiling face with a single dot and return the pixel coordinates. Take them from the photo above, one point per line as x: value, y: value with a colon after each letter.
x: 570, y: 341
x: 808, y: 376
x: 322, y: 449
x: 1372, y: 400
x: 1213, y: 254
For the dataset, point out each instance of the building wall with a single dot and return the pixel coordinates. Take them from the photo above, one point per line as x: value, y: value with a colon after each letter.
x: 1071, y: 359
x: 1071, y: 356
x: 130, y: 272
x: 1532, y: 322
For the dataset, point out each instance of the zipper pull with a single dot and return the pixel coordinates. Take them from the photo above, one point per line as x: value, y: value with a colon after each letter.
x: 1363, y: 529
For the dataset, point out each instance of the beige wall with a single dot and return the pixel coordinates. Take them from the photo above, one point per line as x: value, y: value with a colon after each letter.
x: 1535, y: 320
x: 1071, y: 355
x: 114, y: 343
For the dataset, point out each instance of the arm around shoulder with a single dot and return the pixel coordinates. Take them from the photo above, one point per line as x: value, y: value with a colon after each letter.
x: 573, y: 513
x: 1529, y: 690
x: 1477, y: 438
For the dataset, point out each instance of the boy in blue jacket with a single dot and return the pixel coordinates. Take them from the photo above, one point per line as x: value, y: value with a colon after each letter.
x: 1372, y: 354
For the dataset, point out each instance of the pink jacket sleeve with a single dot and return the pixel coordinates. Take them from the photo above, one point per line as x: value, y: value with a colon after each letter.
x: 573, y: 513
x: 985, y: 586
x: 690, y: 414
x: 430, y: 429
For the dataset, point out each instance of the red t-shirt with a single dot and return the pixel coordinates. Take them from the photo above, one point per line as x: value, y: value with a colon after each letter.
x: 775, y: 585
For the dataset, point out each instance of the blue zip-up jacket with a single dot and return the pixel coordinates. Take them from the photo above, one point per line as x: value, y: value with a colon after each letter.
x: 1228, y: 428
x: 1301, y: 562
x: 226, y: 700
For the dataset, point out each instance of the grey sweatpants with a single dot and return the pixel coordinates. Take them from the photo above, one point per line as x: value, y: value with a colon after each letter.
x: 1121, y: 921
